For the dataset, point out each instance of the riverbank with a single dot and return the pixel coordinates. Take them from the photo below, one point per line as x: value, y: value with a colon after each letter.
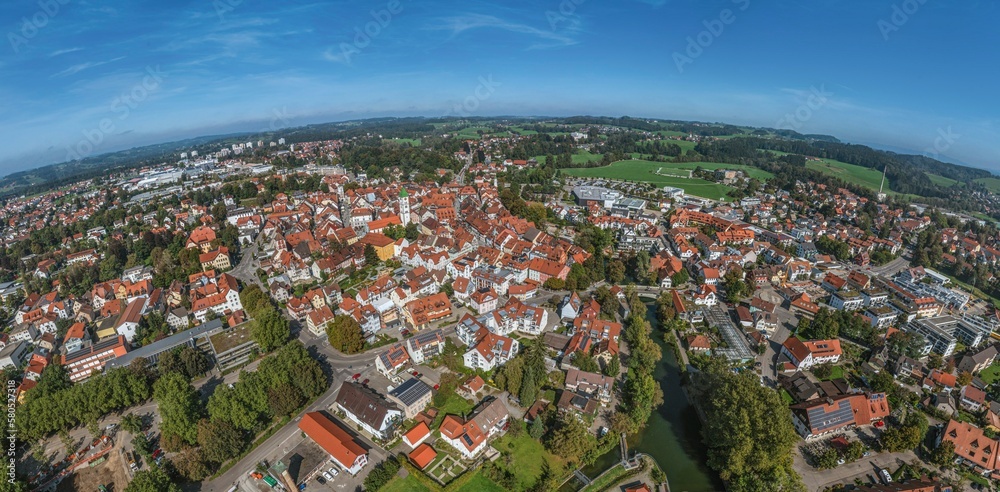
x: 672, y: 436
x: 618, y: 476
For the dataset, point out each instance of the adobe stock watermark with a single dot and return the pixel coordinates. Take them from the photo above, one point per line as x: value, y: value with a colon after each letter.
x: 901, y: 13
x: 697, y: 44
x: 31, y: 26
x: 815, y: 101
x: 944, y: 140
x: 566, y: 12
x: 223, y: 7
x: 483, y: 91
x: 364, y: 35
x: 279, y: 119
x: 11, y: 430
x: 121, y: 108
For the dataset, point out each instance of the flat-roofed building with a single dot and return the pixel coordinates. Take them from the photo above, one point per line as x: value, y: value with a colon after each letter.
x: 83, y: 363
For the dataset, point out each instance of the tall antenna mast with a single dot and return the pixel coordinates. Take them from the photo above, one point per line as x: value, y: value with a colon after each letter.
x: 881, y: 186
x: 881, y: 194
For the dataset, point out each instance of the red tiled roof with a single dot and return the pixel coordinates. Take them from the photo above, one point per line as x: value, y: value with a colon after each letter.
x: 423, y: 456
x: 417, y: 432
x: 331, y: 437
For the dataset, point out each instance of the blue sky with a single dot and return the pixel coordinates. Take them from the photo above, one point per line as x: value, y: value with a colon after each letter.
x: 81, y: 78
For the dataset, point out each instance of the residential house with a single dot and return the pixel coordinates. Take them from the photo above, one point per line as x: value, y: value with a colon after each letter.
x: 389, y: 361
x: 972, y: 445
x: 412, y: 397
x: 972, y: 399
x: 341, y: 447
x: 980, y: 360
x: 425, y: 345
x: 832, y: 414
x: 593, y: 385
x: 367, y: 409
x: 802, y: 355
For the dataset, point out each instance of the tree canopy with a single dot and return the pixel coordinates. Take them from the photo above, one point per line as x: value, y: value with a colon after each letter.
x: 344, y: 334
x: 748, y: 431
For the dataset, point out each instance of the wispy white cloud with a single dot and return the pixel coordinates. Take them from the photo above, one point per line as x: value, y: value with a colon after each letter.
x: 65, y: 51
x: 84, y: 66
x: 543, y: 38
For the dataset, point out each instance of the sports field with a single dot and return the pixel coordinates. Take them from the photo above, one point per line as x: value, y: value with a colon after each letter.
x: 646, y: 171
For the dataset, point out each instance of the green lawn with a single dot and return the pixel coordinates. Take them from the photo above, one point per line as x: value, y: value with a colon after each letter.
x: 408, y: 484
x: 645, y: 171
x: 786, y: 397
x: 472, y: 132
x: 454, y: 405
x: 412, y: 141
x: 753, y: 172
x: 835, y: 373
x: 582, y: 157
x: 528, y: 456
x: 941, y: 180
x: 990, y: 374
x: 992, y: 184
x: 859, y: 175
x: 522, y: 131
x: 685, y: 145
x: 480, y: 483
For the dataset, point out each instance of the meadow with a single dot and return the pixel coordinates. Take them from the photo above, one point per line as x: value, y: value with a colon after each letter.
x: 645, y: 171
x: 992, y: 184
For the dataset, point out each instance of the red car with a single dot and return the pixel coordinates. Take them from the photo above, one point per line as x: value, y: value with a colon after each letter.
x: 356, y: 376
x: 436, y: 387
x: 157, y: 453
x: 365, y: 382
x: 879, y: 424
x: 414, y: 373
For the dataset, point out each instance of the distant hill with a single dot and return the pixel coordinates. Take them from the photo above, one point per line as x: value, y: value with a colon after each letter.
x: 907, y: 173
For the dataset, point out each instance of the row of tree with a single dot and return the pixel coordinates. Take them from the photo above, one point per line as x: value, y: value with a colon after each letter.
x: 207, y: 436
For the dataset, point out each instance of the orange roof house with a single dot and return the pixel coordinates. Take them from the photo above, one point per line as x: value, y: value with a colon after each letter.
x: 202, y: 238
x: 972, y: 444
x: 423, y: 456
x: 335, y: 441
x: 802, y: 355
x: 417, y: 435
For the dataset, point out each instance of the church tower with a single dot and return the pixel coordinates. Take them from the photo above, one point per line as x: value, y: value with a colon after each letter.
x: 404, y: 206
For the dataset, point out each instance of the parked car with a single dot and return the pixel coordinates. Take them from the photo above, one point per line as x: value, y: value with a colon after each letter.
x: 356, y: 376
x: 327, y: 476
x: 334, y: 472
x: 365, y: 382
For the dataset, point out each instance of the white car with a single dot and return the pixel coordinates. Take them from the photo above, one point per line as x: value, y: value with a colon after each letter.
x: 327, y: 476
x: 334, y: 472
